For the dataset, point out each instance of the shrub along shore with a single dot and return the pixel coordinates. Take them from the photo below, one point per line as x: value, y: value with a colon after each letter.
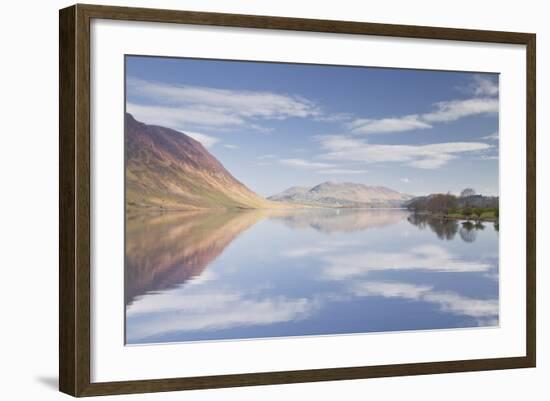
x: 447, y: 206
x: 477, y: 214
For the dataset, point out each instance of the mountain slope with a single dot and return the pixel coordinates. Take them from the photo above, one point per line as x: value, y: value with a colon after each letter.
x: 166, y: 169
x: 344, y: 194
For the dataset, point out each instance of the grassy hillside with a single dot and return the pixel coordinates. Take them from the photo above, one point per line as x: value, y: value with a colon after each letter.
x: 166, y: 169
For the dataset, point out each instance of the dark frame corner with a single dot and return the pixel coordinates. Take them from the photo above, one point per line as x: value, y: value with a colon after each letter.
x: 74, y: 199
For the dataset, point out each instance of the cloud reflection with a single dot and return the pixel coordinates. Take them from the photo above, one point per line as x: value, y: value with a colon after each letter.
x: 175, y: 291
x: 449, y: 302
x: 216, y: 309
x: 344, y: 265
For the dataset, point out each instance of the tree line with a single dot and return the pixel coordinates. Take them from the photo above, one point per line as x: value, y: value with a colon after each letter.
x: 453, y: 206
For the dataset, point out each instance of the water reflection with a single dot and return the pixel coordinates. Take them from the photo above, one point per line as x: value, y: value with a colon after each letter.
x: 484, y: 310
x: 260, y: 273
x: 167, y: 249
x: 339, y: 220
x: 446, y: 229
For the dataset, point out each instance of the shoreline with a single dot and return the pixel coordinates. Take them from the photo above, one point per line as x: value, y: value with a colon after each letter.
x: 157, y: 209
x: 456, y: 217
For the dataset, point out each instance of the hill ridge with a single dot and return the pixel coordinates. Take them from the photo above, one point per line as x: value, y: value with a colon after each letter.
x: 167, y: 169
x: 342, y: 194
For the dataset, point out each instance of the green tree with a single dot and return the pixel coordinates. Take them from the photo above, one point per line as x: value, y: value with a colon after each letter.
x: 478, y: 212
x: 467, y: 192
x: 467, y: 211
x: 441, y: 203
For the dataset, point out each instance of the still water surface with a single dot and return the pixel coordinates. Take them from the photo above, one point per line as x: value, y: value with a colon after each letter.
x: 234, y: 275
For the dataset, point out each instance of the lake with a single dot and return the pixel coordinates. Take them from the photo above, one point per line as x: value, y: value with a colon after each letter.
x: 219, y: 275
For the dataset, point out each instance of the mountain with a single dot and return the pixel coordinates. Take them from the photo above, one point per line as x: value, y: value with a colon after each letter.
x: 346, y: 194
x: 166, y: 169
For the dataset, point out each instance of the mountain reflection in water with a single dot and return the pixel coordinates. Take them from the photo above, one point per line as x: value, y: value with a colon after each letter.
x: 215, y: 274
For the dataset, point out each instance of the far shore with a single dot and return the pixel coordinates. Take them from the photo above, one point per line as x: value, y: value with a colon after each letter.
x: 488, y: 217
x: 157, y: 209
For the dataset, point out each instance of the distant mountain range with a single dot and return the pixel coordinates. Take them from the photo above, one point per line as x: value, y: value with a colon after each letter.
x: 345, y: 194
x: 166, y: 169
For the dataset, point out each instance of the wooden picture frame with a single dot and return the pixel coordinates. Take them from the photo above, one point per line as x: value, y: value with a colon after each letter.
x: 74, y: 199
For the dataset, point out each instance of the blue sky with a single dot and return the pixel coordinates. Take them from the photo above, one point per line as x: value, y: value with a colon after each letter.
x: 276, y: 125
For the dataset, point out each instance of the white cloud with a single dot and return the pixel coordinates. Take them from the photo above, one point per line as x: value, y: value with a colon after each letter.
x: 454, y: 109
x: 484, y: 86
x: 386, y: 125
x: 264, y: 157
x: 345, y: 148
x: 493, y: 137
x: 405, y: 180
x: 229, y: 146
x: 305, y: 164
x: 212, y: 107
x: 240, y: 102
x: 432, y: 162
x: 333, y: 118
x: 343, y: 171
x: 206, y: 140
x: 174, y: 117
x: 321, y: 168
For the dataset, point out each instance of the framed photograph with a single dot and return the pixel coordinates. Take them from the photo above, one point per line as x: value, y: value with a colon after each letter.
x: 250, y: 200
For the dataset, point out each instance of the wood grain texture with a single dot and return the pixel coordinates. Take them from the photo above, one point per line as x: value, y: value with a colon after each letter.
x: 74, y: 199
x: 531, y: 229
x: 67, y: 290
x: 301, y: 24
x: 301, y: 376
